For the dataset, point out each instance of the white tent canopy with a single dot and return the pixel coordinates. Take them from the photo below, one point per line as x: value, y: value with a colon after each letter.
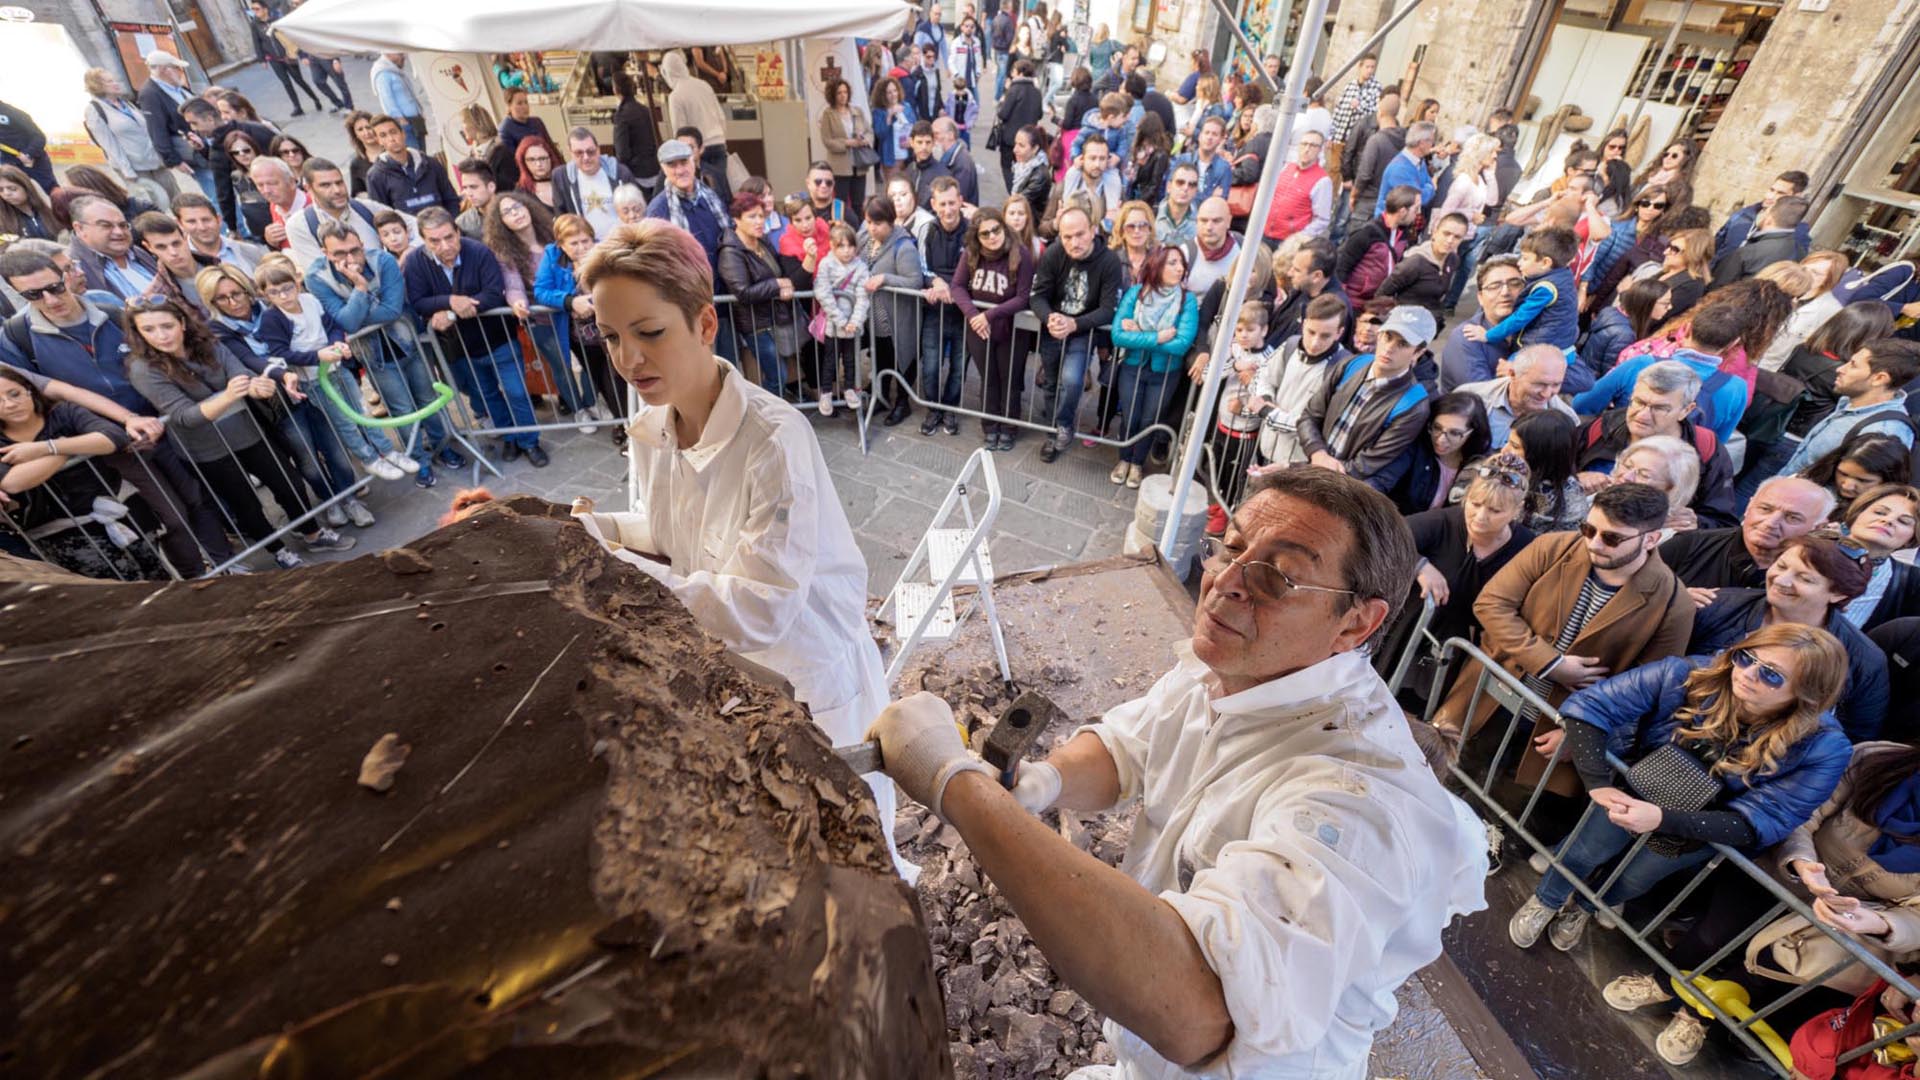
x: 497, y: 26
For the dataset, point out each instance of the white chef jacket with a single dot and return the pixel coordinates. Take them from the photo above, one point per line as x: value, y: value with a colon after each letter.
x: 761, y: 553
x: 1298, y: 830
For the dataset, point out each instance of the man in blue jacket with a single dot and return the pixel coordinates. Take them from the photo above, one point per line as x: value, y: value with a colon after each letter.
x: 406, y: 179
x: 362, y: 292
x: 63, y: 338
x: 1409, y: 167
x: 451, y: 282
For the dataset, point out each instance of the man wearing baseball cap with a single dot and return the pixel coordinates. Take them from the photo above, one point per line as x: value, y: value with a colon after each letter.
x: 160, y: 100
x: 1370, y: 412
x: 686, y: 201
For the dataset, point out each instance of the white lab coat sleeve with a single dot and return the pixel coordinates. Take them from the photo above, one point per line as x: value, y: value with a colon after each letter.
x: 628, y: 529
x: 1127, y: 731
x: 753, y: 600
x: 1308, y: 901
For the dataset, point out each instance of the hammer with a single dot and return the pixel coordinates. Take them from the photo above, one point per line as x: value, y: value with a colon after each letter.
x: 1020, y: 724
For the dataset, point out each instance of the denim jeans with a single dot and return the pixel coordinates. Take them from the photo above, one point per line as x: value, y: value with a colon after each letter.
x: 1001, y: 62
x: 1064, y: 366
x: 405, y: 386
x: 309, y: 434
x: 575, y: 393
x: 495, y: 386
x: 350, y: 434
x: 1598, y: 840
x: 773, y: 369
x: 941, y: 328
x: 1141, y: 391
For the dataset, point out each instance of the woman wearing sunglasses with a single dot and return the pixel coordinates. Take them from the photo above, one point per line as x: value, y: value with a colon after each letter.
x: 1810, y: 584
x: 1639, y: 236
x: 1755, y: 719
x: 1882, y: 521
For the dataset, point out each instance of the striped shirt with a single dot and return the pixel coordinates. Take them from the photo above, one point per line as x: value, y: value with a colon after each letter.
x: 1594, y: 595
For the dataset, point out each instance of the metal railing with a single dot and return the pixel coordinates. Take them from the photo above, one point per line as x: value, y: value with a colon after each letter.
x: 1693, y: 985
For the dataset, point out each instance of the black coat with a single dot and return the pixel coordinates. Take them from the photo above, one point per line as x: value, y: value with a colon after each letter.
x: 164, y: 122
x: 20, y: 135
x: 1902, y: 598
x: 1440, y: 536
x: 1758, y: 253
x: 1713, y: 559
x: 409, y: 190
x: 1900, y: 640
x: 1019, y: 107
x: 1418, y: 280
x: 636, y: 139
x: 1038, y: 188
x: 506, y: 171
x: 754, y: 284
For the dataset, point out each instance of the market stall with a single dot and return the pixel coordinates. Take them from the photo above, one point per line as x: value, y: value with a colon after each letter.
x: 460, y: 50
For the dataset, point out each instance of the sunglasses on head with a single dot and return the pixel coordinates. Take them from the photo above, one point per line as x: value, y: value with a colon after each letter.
x: 149, y: 302
x: 1503, y: 477
x: 1607, y: 536
x: 58, y: 288
x: 1772, y: 676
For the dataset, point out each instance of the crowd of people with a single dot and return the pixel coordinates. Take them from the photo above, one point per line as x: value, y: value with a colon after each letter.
x: 1661, y: 472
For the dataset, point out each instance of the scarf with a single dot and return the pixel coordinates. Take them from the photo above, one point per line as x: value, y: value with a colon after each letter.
x: 1024, y: 169
x: 249, y: 330
x: 702, y: 194
x: 1157, y: 309
x: 1898, y: 818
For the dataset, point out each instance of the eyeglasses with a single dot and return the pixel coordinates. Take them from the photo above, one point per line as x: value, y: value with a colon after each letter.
x: 1657, y: 408
x: 58, y: 288
x: 1608, y: 536
x: 539, y: 159
x: 1136, y: 225
x: 1513, y: 284
x: 1450, y: 433
x: 1650, y: 204
x: 1264, y: 580
x: 1772, y: 676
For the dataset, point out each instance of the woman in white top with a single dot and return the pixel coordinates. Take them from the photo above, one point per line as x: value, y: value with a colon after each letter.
x: 120, y: 129
x: 736, y: 513
x: 1474, y: 186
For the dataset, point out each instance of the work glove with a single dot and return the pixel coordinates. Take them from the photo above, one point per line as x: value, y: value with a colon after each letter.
x: 921, y: 749
x: 1036, y: 785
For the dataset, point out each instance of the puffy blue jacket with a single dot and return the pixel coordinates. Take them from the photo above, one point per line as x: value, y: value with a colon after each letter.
x: 1611, y: 332
x: 554, y: 286
x: 1735, y: 613
x: 1609, y: 251
x: 1548, y: 314
x: 1635, y: 709
x: 1144, y: 346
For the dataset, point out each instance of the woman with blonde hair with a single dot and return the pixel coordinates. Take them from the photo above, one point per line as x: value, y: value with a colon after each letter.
x: 1753, y: 726
x: 482, y: 137
x: 119, y: 128
x: 1812, y: 307
x: 1685, y: 266
x: 1018, y: 213
x: 1131, y: 238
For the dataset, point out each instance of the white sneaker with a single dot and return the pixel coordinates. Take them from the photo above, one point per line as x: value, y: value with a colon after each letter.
x: 333, y: 516
x: 358, y: 513
x: 1538, y: 863
x: 1679, y: 1043
x: 384, y: 469
x: 581, y: 416
x: 1527, y: 924
x: 1630, y: 992
x: 853, y: 400
x: 288, y: 560
x: 1569, y: 928
x: 401, y: 461
x: 826, y: 404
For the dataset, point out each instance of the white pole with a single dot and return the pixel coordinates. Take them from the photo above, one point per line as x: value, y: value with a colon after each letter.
x: 1277, y: 151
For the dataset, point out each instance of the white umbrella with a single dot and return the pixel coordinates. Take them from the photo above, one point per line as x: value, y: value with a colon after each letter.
x: 348, y: 26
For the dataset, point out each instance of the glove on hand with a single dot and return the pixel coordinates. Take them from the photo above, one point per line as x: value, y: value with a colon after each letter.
x: 921, y: 749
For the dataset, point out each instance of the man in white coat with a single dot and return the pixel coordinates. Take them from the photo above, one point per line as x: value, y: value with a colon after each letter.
x: 1294, y: 859
x: 736, y: 514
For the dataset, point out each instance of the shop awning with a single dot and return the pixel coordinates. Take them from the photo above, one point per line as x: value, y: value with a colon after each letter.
x: 348, y: 26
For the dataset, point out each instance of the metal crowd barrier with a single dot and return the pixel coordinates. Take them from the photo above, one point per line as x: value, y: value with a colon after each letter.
x: 1026, y: 382
x: 1522, y: 706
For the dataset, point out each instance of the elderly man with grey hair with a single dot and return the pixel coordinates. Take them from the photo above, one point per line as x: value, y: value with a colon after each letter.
x: 1662, y: 405
x: 957, y: 158
x: 1710, y: 559
x: 276, y: 183
x: 1533, y: 386
x: 1409, y: 167
x: 1294, y: 858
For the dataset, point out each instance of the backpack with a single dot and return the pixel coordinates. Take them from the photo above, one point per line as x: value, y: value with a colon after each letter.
x: 355, y: 205
x: 1413, y: 395
x: 1002, y: 32
x: 20, y: 335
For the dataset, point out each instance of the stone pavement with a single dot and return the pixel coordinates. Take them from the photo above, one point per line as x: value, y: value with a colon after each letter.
x: 1050, y: 514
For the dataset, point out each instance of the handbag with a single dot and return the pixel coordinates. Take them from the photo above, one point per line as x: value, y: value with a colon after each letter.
x: 994, y: 138
x: 1801, y: 953
x: 863, y: 157
x: 1673, y: 779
